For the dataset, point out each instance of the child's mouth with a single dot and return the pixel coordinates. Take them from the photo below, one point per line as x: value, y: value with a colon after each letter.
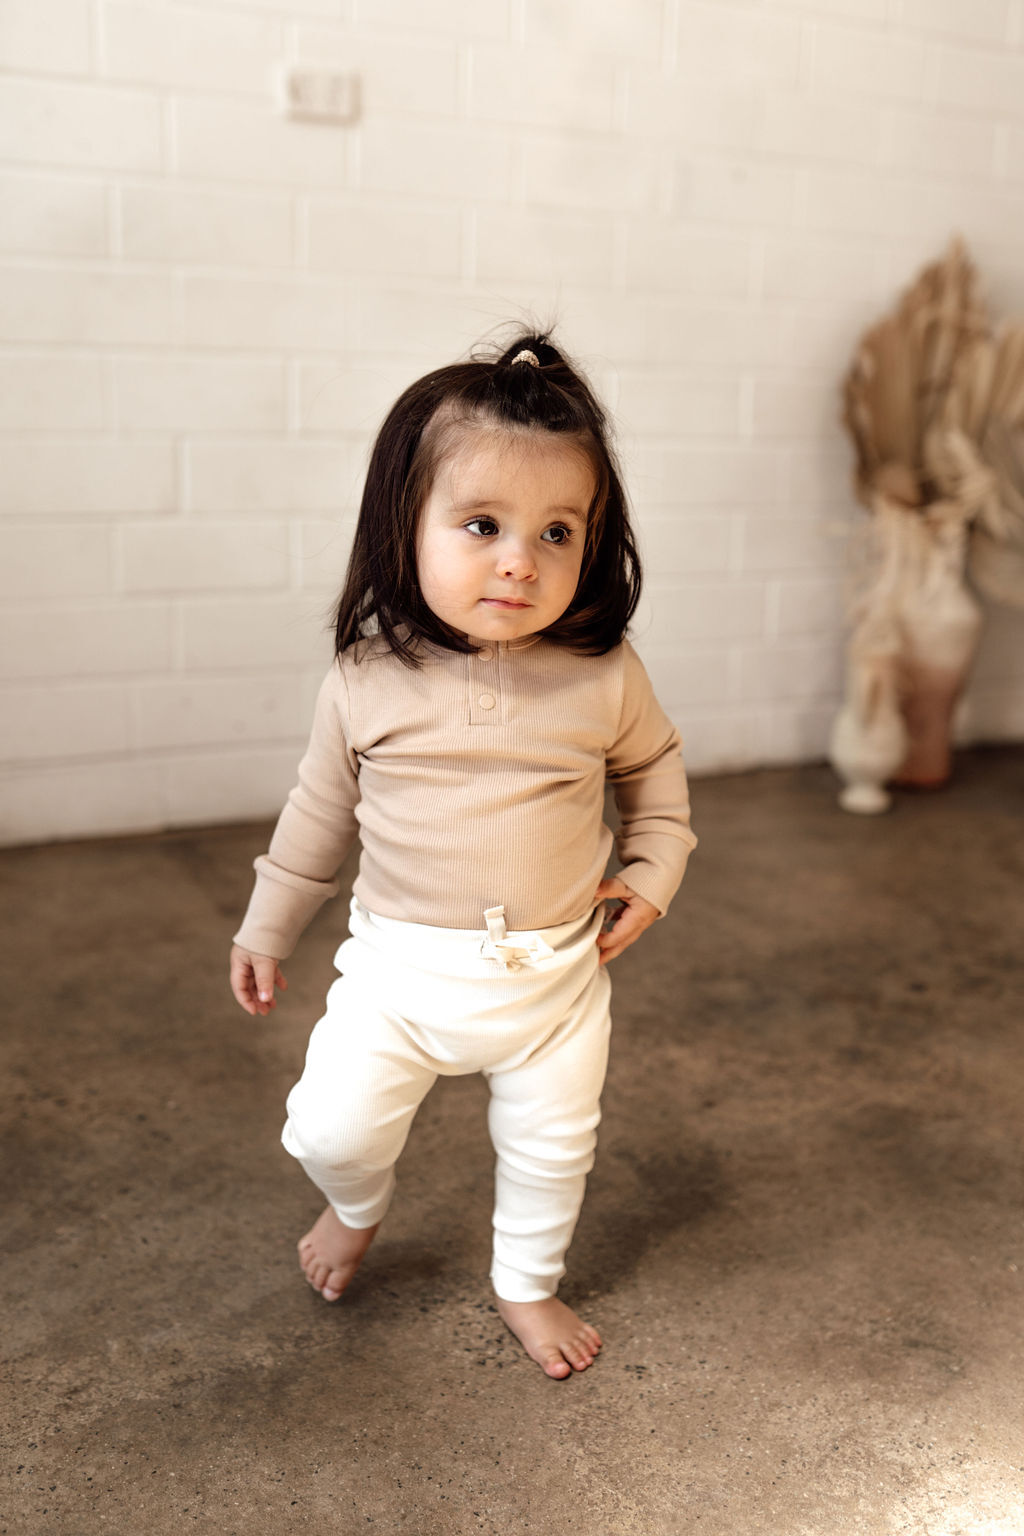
x: 503, y: 602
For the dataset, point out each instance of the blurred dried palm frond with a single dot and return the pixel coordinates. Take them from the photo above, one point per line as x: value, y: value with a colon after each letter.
x: 934, y: 403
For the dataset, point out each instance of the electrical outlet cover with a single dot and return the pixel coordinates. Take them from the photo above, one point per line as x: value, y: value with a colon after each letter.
x: 308, y: 94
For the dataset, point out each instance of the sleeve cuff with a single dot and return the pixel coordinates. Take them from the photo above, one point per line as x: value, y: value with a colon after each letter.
x: 282, y: 905
x: 655, y: 885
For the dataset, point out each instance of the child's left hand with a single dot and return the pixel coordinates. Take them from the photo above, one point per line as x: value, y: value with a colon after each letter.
x: 628, y: 923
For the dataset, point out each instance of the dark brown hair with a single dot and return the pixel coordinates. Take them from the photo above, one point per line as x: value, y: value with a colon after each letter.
x: 381, y: 593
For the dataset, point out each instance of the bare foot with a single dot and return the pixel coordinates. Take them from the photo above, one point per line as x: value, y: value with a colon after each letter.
x: 330, y: 1253
x: 551, y: 1334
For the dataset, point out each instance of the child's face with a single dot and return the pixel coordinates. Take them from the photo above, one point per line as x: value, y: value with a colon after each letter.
x: 501, y: 534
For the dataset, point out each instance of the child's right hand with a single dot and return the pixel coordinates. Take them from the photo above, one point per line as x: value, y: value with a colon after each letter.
x: 253, y: 979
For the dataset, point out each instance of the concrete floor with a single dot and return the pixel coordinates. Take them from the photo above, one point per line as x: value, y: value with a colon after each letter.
x: 803, y: 1242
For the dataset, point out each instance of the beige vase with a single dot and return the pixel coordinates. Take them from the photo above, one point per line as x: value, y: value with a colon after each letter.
x: 869, y: 737
x: 940, y: 623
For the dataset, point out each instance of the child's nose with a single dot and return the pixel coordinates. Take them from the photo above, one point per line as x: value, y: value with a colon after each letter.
x: 515, y: 560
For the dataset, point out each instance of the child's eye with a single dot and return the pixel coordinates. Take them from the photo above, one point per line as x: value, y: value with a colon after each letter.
x: 558, y: 534
x: 483, y: 527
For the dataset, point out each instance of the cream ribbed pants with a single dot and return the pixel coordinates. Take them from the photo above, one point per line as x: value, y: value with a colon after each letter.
x: 528, y: 1010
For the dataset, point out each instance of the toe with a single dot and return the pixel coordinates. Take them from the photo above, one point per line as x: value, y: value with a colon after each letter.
x: 579, y: 1357
x: 592, y: 1338
x: 555, y: 1364
x: 333, y: 1285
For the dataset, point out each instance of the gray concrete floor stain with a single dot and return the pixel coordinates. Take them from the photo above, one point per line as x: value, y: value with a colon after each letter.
x: 803, y: 1241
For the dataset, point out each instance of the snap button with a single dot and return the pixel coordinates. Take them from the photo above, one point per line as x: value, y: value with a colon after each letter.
x: 485, y: 653
x: 486, y: 701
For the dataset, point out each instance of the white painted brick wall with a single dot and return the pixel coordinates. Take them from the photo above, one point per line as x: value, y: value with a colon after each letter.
x: 191, y: 49
x: 54, y: 36
x: 53, y: 217
x: 183, y: 226
x: 61, y: 475
x: 205, y: 310
x: 60, y: 123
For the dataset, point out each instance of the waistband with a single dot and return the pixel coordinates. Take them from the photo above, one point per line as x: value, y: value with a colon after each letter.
x: 510, y: 951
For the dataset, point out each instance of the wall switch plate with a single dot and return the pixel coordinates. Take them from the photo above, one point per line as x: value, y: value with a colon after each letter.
x: 316, y: 95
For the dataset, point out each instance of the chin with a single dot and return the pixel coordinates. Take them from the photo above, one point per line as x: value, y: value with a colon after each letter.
x: 508, y: 625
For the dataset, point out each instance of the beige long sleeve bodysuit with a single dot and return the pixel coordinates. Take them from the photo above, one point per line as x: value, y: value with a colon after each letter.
x: 475, y: 780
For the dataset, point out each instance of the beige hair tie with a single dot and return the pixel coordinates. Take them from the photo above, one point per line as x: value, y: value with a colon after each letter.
x: 526, y: 356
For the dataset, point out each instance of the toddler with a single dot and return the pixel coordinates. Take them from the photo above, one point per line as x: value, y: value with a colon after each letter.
x: 481, y: 694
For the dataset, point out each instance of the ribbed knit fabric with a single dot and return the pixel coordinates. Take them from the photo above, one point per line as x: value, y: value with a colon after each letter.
x: 414, y: 1003
x: 472, y: 781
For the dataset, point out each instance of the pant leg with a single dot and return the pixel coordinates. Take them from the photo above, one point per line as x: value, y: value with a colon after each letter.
x: 351, y: 1111
x: 543, y: 1121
